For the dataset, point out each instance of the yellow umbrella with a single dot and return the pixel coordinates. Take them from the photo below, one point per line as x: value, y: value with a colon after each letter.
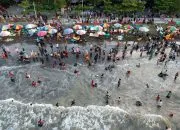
x: 106, y: 25
x: 18, y: 27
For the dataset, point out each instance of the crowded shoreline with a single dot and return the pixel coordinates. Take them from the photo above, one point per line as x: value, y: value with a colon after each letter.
x: 93, y: 66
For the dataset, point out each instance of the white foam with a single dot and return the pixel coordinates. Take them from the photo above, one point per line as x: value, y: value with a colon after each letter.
x: 19, y: 115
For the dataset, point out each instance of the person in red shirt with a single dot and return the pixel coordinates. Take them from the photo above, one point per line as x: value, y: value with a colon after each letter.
x: 40, y: 123
x: 158, y: 98
x: 92, y: 84
x: 11, y: 74
x: 34, y: 84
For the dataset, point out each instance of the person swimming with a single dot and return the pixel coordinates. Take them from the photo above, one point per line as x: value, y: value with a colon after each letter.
x: 40, y: 123
x: 27, y: 76
x: 73, y: 102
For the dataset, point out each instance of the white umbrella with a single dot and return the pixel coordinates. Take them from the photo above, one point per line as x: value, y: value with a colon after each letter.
x: 29, y: 26
x: 77, y: 27
x: 5, y: 33
x: 32, y: 31
x: 117, y: 25
x: 143, y: 29
x: 101, y: 33
x: 81, y: 32
x: 52, y: 31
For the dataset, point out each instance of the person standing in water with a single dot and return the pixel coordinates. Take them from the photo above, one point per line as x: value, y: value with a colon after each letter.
x: 40, y: 123
x: 107, y: 98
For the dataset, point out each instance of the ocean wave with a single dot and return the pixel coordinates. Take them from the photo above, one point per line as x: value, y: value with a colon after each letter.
x: 18, y: 115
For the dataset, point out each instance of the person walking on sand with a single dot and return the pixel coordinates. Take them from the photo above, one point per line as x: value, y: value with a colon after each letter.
x: 159, y: 104
x: 169, y: 94
x: 157, y: 98
x: 119, y: 82
x: 128, y: 73
x: 175, y: 77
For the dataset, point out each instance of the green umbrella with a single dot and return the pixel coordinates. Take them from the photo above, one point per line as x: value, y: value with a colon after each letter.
x: 172, y: 28
x: 178, y: 22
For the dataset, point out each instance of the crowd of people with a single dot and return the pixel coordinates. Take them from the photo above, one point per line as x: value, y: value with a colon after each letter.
x: 155, y: 46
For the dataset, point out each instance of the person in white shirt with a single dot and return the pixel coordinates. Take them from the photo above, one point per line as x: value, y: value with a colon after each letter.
x: 160, y: 103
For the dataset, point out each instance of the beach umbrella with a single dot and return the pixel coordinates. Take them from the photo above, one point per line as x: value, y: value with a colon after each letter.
x: 93, y: 28
x: 101, y: 33
x: 117, y: 25
x: 18, y: 27
x: 32, y: 31
x: 52, y: 31
x: 120, y: 37
x: 96, y: 28
x: 42, y: 33
x: 178, y: 22
x: 81, y: 32
x: 173, y: 28
x: 29, y: 26
x: 77, y: 27
x: 128, y: 27
x: 6, y: 27
x: 143, y: 29
x: 5, y: 33
x: 89, y: 26
x: 99, y: 28
x: 68, y: 31
x: 49, y: 26
x: 106, y: 25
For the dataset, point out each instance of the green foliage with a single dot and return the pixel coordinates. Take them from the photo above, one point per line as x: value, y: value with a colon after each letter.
x: 110, y: 7
x: 7, y: 3
x: 59, y: 4
x: 167, y: 6
x: 25, y: 4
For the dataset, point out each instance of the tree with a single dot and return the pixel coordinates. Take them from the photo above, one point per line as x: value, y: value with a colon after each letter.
x: 58, y: 4
x: 25, y: 4
x: 7, y: 3
x: 132, y: 6
x: 167, y: 6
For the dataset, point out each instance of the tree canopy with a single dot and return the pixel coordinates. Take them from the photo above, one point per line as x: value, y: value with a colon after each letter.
x: 167, y: 6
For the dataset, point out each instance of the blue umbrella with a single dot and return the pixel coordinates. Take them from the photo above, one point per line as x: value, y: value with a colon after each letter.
x: 68, y: 31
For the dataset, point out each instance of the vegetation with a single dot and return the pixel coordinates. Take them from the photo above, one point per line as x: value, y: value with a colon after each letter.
x: 42, y: 5
x: 106, y: 6
x: 167, y: 6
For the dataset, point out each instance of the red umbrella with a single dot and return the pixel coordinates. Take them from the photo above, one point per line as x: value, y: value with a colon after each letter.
x: 42, y: 33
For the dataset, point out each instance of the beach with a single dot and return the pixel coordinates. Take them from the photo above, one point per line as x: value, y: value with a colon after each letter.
x: 90, y: 110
